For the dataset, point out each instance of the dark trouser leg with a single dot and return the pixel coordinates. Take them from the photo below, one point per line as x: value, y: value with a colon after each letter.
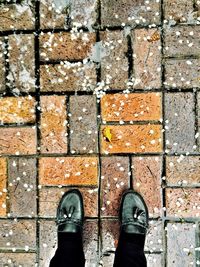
x: 69, y: 252
x: 130, y: 251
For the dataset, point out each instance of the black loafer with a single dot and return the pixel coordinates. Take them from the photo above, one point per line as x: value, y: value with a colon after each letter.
x: 70, y: 212
x: 134, y: 215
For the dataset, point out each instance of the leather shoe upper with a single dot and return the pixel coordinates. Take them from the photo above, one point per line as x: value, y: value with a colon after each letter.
x: 70, y: 212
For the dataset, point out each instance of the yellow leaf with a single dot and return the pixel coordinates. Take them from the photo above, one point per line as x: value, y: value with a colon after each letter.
x: 107, y: 134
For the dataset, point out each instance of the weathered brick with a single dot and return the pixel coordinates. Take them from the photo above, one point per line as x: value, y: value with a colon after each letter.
x: 114, y: 181
x: 18, y: 259
x: 18, y: 140
x: 65, y: 46
x: 17, y: 109
x: 110, y: 230
x: 83, y: 124
x: 17, y: 16
x: 182, y: 41
x: 131, y: 107
x: 18, y: 234
x: 131, y: 139
x: 2, y: 64
x: 180, y: 122
x: 3, y: 182
x: 182, y: 74
x: 53, y: 124
x: 114, y: 63
x: 115, y: 13
x: 147, y: 58
x: 180, y: 244
x: 22, y: 187
x: 68, y: 77
x: 179, y: 11
x: 154, y: 239
x: 183, y: 202
x: 68, y: 171
x: 107, y: 260
x: 155, y: 260
x: 147, y: 179
x: 50, y: 197
x: 183, y: 170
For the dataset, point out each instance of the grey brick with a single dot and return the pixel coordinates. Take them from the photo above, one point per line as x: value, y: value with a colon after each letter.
x: 18, y: 259
x: 2, y: 64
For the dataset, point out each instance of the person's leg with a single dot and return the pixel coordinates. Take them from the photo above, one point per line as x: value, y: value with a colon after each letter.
x: 70, y: 214
x: 134, y: 224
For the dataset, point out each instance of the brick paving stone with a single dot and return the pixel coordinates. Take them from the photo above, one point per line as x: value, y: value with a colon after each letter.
x: 50, y: 197
x: 22, y: 187
x: 3, y: 182
x: 17, y: 109
x: 18, y: 16
x: 155, y: 260
x: 182, y: 41
x: 115, y: 13
x: 66, y: 46
x: 68, y: 171
x: 21, y: 76
x: 107, y: 260
x: 154, y: 239
x: 18, y: 259
x: 83, y: 124
x: 179, y: 11
x: 182, y: 202
x: 68, y: 76
x: 18, y: 141
x: 110, y: 230
x: 131, y: 139
x: 180, y: 244
x: 183, y: 171
x: 147, y: 173
x: 114, y: 63
x: 18, y: 234
x: 180, y: 122
x: 53, y: 124
x: 2, y: 63
x: 147, y: 58
x: 131, y: 107
x: 114, y: 181
x: 182, y: 74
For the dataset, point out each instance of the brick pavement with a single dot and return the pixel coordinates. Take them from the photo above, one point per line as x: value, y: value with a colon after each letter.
x: 100, y: 96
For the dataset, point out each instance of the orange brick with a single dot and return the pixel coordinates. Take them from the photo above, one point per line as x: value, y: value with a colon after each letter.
x: 17, y: 141
x: 131, y: 139
x: 17, y: 109
x: 53, y: 124
x: 63, y: 46
x: 68, y: 171
x: 3, y: 178
x: 131, y: 107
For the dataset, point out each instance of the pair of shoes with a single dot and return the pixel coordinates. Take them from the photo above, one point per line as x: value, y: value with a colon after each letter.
x: 133, y: 213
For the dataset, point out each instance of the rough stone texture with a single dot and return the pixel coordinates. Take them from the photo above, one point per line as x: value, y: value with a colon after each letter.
x: 83, y: 124
x: 182, y: 41
x: 2, y: 64
x: 179, y: 11
x: 18, y: 141
x: 114, y: 181
x: 183, y: 171
x: 21, y: 76
x: 155, y: 260
x: 180, y: 122
x: 17, y: 110
x: 110, y: 230
x: 198, y: 119
x: 115, y: 13
x: 131, y: 139
x: 66, y: 46
x: 19, y: 234
x: 180, y: 244
x: 68, y: 76
x: 131, y: 107
x: 183, y: 202
x: 107, y: 260
x: 53, y: 124
x: 147, y: 58
x: 154, y: 239
x: 17, y: 16
x: 68, y: 171
x: 114, y: 63
x: 182, y: 74
x: 147, y: 173
x: 22, y: 187
x: 3, y: 181
x: 18, y: 259
x: 50, y: 197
